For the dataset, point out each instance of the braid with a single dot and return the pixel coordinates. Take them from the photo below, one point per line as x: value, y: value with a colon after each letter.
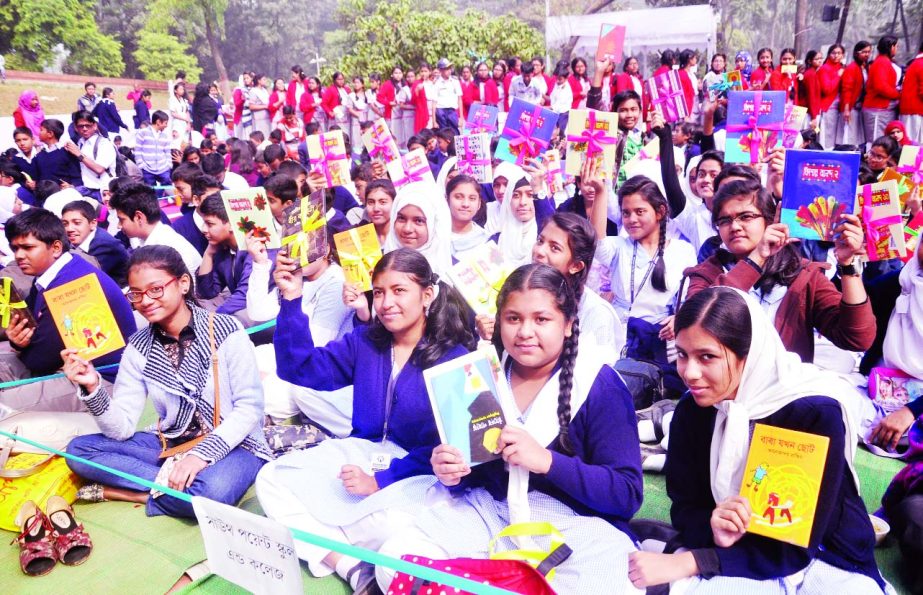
x: 658, y: 277
x: 565, y: 384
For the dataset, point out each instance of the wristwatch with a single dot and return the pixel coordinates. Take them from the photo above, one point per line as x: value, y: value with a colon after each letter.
x: 849, y: 270
x: 81, y: 158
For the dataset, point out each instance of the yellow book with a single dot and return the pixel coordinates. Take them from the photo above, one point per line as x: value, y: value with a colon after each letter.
x: 359, y: 252
x: 782, y: 481
x: 593, y: 134
x: 83, y: 317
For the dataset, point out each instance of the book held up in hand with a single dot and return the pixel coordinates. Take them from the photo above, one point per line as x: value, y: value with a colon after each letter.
x: 83, y: 317
x: 304, y: 229
x: 12, y: 305
x: 248, y: 211
x: 479, y: 278
x: 359, y: 251
x: 819, y: 187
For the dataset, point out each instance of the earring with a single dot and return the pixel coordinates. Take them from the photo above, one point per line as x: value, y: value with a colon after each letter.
x: 426, y: 310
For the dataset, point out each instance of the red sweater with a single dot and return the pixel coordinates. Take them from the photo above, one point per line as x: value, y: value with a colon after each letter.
x: 386, y: 96
x: 809, y: 92
x: 811, y: 302
x: 292, y: 92
x: 828, y: 84
x: 490, y: 94
x: 881, y: 88
x: 688, y: 89
x: 912, y: 91
x: 469, y: 95
x: 577, y: 89
x: 506, y: 88
x: 784, y: 82
x: 851, y: 86
x: 759, y: 78
x: 307, y: 106
x: 330, y: 99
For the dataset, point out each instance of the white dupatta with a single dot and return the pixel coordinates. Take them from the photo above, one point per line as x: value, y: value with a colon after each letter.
x: 905, y: 328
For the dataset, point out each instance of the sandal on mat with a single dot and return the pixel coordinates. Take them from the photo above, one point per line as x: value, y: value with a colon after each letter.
x: 37, y: 555
x: 92, y: 492
x: 71, y: 542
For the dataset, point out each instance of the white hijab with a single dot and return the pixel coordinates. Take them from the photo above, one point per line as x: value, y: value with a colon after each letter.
x: 426, y: 197
x: 772, y: 378
x: 905, y: 328
x: 442, y: 179
x: 516, y: 238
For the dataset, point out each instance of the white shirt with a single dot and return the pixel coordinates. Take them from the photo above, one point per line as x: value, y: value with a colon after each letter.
x: 694, y: 222
x: 447, y: 91
x: 164, y: 235
x: 599, y: 323
x: 85, y: 244
x: 234, y: 181
x: 562, y: 97
x: 45, y: 279
x: 57, y: 201
x: 104, y: 156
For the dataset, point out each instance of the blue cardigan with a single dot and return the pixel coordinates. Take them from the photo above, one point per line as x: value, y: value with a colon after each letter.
x: 111, y: 255
x: 108, y: 115
x: 231, y: 271
x: 43, y: 354
x: 603, y: 476
x: 842, y: 534
x: 58, y: 165
x: 186, y: 227
x: 355, y: 361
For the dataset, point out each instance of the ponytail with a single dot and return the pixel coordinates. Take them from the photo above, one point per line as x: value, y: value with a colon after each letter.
x: 650, y: 192
x: 565, y: 384
x: 658, y: 277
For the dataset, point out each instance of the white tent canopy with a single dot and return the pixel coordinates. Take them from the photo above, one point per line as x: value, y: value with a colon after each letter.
x: 649, y: 30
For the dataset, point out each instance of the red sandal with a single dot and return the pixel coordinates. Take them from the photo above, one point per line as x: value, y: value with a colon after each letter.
x: 37, y: 555
x: 71, y: 542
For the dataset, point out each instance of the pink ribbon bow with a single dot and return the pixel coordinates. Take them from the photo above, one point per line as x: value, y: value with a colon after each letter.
x: 381, y: 145
x: 915, y: 170
x: 409, y: 176
x: 322, y: 164
x: 873, y: 227
x: 522, y: 138
x: 551, y: 174
x: 594, y: 139
x: 478, y: 122
x: 754, y: 137
x: 666, y: 90
x: 468, y: 161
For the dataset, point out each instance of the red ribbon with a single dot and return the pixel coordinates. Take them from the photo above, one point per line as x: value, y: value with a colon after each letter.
x: 468, y: 161
x: 381, y: 145
x: 322, y: 164
x: 663, y: 91
x: 409, y: 176
x: 754, y: 136
x: 522, y: 138
x: 915, y: 170
x: 594, y: 139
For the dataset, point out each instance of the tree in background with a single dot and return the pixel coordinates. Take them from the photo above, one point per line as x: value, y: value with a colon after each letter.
x: 160, y: 55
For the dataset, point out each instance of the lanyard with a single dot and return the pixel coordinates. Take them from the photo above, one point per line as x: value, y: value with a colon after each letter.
x: 390, y: 397
x: 650, y: 268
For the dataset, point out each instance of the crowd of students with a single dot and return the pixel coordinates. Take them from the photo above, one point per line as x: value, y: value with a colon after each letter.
x: 685, y: 266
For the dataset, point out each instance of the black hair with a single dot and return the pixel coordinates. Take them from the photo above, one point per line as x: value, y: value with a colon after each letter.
x: 83, y: 114
x: 627, y: 61
x: 764, y: 51
x: 22, y: 130
x: 458, y: 181
x: 188, y: 151
x: 652, y: 195
x: 542, y: 276
x: 416, y: 140
x: 88, y: 85
x: 860, y: 45
x: 668, y: 58
x: 82, y: 207
x: 735, y: 170
x: 214, y: 206
x: 718, y: 55
x: 785, y: 265
x: 120, y: 182
x: 164, y: 258
x: 627, y: 95
x: 446, y: 321
x: 809, y: 57
x: 11, y: 170
x: 256, y: 135
x: 145, y: 93
x: 723, y: 314
x: 526, y: 68
x: 382, y: 184
x: 54, y: 126
x: 361, y: 172
x: 685, y: 56
x: 159, y: 116
x: 44, y: 189
x: 581, y: 240
x: 275, y: 135
x: 44, y: 226
x: 292, y: 169
x: 202, y: 183
x: 891, y: 146
x: 311, y: 128
x: 562, y: 69
x: 885, y: 44
x: 273, y: 152
x: 573, y: 66
x: 835, y: 46
x: 186, y: 172
x: 134, y: 197
x: 283, y: 187
x: 213, y: 164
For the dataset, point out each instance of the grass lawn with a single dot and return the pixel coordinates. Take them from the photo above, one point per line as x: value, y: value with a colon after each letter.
x: 61, y: 98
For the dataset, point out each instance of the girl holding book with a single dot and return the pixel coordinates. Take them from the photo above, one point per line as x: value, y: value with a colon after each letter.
x: 342, y: 488
x: 218, y: 440
x: 759, y: 78
x: 570, y: 446
x: 464, y: 196
x: 739, y: 373
x: 379, y: 198
x: 785, y: 81
x: 525, y: 203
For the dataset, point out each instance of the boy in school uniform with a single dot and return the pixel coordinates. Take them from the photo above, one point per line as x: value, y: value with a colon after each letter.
x: 80, y: 222
x: 96, y: 154
x: 26, y: 151
x: 54, y: 163
x: 189, y: 225
x: 224, y: 266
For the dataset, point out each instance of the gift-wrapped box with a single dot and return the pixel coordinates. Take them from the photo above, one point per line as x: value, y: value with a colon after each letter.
x: 591, y: 135
x: 880, y: 210
x: 480, y: 277
x: 304, y: 229
x: 554, y: 175
x: 473, y: 151
x: 380, y: 142
x: 611, y: 43
x: 527, y: 132
x: 730, y: 81
x: 754, y: 125
x: 481, y: 118
x: 650, y: 151
x: 911, y: 164
x: 818, y: 187
x: 904, y: 185
x: 410, y: 168
x: 666, y: 92
x: 791, y: 126
x: 912, y: 236
x: 327, y: 155
x: 359, y: 251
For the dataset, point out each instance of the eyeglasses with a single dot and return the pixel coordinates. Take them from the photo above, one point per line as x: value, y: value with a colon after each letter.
x: 155, y: 293
x: 742, y: 218
x: 83, y: 125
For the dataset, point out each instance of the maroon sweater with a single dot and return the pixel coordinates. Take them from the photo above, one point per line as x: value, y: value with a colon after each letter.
x: 811, y: 302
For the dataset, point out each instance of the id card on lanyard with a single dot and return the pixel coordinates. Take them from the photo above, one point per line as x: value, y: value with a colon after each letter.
x: 381, y: 459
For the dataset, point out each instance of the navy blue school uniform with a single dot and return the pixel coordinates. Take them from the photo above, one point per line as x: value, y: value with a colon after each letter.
x: 842, y: 536
x: 303, y: 158
x: 111, y: 255
x: 229, y: 270
x: 25, y: 195
x: 436, y: 158
x: 58, y: 165
x: 185, y: 226
x: 27, y: 167
x: 43, y: 354
x: 356, y: 361
x: 108, y: 116
x: 142, y: 113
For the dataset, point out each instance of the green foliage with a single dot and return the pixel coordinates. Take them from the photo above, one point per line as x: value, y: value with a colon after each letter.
x: 399, y: 33
x: 43, y: 24
x: 160, y: 55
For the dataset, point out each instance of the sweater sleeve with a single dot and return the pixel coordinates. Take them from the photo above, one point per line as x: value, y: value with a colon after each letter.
x: 262, y: 299
x: 848, y: 326
x: 675, y: 195
x: 742, y: 276
x: 415, y: 463
x: 238, y: 298
x: 117, y: 414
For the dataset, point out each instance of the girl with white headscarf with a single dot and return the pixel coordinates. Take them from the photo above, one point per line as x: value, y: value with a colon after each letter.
x: 420, y: 220
x: 739, y: 373
x: 518, y: 227
x: 503, y: 173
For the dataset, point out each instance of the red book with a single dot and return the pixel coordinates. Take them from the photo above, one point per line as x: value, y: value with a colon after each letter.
x: 611, y: 42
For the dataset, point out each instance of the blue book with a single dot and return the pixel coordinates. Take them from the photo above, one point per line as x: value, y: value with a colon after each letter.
x: 819, y: 187
x: 482, y: 118
x: 526, y: 133
x: 742, y: 146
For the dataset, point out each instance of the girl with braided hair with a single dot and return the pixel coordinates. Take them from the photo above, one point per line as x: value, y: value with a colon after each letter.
x: 570, y: 446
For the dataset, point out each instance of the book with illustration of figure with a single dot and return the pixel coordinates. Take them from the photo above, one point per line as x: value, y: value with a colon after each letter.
x: 83, y: 317
x: 248, y: 210
x: 467, y: 396
x: 754, y: 130
x: 304, y: 229
x: 782, y: 482
x: 479, y: 277
x: 819, y: 187
x: 879, y: 208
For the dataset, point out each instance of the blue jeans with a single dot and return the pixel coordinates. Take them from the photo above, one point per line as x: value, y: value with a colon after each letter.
x: 447, y: 117
x: 152, y: 179
x: 225, y: 481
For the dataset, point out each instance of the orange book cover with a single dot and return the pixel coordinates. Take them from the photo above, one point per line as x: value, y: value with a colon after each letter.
x: 83, y: 317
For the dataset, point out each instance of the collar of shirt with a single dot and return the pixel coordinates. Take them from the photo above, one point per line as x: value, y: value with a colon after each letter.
x: 187, y: 334
x: 45, y: 279
x: 54, y: 147
x: 87, y: 141
x: 85, y: 244
x: 27, y: 158
x: 157, y: 232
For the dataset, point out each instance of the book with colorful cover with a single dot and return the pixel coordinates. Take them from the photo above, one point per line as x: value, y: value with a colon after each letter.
x: 410, y: 168
x: 482, y: 118
x: 479, y: 278
x: 379, y: 142
x: 554, y: 173
x: 666, y: 93
x: 752, y: 132
x: 912, y: 235
x: 591, y: 134
x: 11, y: 303
x: 468, y: 395
x: 791, y: 127
x: 892, y: 389
x: 880, y: 210
x: 473, y: 151
x: 819, y: 187
x: 359, y: 251
x: 729, y: 81
x: 526, y: 133
x: 83, y: 317
x: 327, y: 155
x: 911, y: 164
x: 649, y: 151
x: 611, y: 43
x: 788, y: 69
x: 304, y: 229
x: 248, y: 210
x: 904, y: 185
x: 782, y: 482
